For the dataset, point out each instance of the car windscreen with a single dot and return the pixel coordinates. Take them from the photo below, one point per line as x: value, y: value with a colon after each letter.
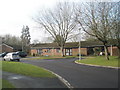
x: 14, y: 54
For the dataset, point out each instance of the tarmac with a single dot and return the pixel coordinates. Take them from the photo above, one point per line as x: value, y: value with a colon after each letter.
x: 21, y: 81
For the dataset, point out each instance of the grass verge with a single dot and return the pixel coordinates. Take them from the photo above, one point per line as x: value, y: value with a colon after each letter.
x: 100, y: 60
x: 6, y: 84
x: 25, y: 69
x: 48, y: 57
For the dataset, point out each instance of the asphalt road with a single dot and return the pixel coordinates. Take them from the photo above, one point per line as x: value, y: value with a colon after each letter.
x: 21, y: 81
x: 80, y: 76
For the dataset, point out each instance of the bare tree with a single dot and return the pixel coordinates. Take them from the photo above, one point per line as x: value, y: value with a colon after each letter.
x: 95, y: 20
x: 47, y: 39
x: 115, y: 30
x: 88, y: 37
x: 13, y: 41
x: 59, y: 22
x: 35, y: 41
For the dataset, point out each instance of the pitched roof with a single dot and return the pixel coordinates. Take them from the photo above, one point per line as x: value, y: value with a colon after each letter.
x: 6, y: 45
x: 68, y: 44
x: 45, y: 45
x: 83, y: 44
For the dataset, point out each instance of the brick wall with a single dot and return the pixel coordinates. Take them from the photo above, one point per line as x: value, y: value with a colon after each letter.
x: 56, y: 52
x: 75, y: 51
x: 114, y: 50
x: 5, y: 48
x: 33, y: 51
x: 50, y: 52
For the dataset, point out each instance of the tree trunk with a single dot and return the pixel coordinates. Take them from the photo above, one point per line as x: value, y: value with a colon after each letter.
x: 62, y: 51
x: 106, y: 52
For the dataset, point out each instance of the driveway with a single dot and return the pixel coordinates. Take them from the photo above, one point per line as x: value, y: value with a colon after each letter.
x: 80, y: 76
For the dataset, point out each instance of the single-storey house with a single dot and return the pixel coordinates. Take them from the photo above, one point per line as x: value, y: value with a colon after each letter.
x: 71, y: 48
x: 5, y: 48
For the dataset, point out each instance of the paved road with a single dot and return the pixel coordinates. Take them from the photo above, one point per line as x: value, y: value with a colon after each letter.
x: 21, y: 81
x: 80, y: 76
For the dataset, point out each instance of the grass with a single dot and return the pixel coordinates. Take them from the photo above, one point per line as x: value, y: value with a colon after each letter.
x: 48, y: 57
x: 25, y: 69
x: 6, y: 84
x: 100, y: 60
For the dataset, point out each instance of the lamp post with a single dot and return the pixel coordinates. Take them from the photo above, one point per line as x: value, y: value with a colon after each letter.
x: 111, y: 51
x: 79, y: 43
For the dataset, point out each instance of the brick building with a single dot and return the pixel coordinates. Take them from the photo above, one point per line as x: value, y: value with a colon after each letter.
x: 71, y: 48
x: 113, y: 51
x: 5, y: 48
x: 52, y: 49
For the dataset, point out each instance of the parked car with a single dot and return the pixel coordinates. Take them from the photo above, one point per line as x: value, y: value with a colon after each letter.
x: 3, y: 54
x: 11, y: 57
x: 21, y: 53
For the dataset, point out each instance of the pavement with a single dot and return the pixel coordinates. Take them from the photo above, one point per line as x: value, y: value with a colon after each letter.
x: 21, y: 81
x: 80, y: 76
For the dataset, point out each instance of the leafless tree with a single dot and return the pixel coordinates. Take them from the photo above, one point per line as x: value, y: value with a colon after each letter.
x: 115, y: 30
x: 95, y: 20
x: 11, y: 40
x: 58, y: 21
x: 35, y: 41
x: 88, y: 37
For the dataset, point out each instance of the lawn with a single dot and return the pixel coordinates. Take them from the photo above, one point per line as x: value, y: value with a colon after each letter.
x: 48, y: 57
x: 100, y: 60
x: 25, y: 69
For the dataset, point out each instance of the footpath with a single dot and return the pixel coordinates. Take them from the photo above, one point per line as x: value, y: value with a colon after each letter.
x: 21, y: 81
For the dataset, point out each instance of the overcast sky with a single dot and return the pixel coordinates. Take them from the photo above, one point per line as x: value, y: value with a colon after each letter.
x: 16, y: 13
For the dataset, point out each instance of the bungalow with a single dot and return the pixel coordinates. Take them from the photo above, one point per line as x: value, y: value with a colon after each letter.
x: 71, y: 49
x: 5, y: 48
